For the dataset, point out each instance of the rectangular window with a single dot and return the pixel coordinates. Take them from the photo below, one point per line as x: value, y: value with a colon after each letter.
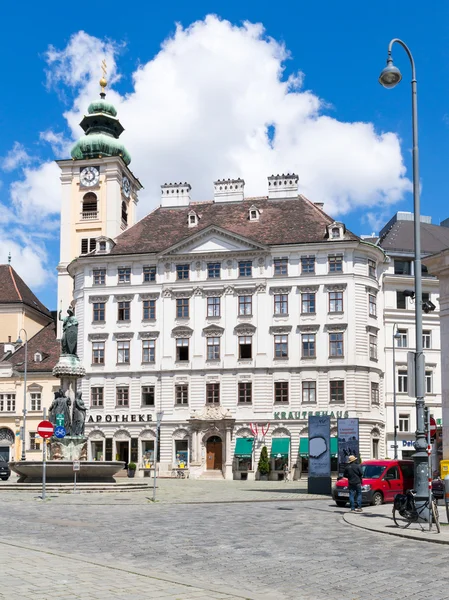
x: 281, y: 346
x: 372, y: 268
x: 337, y: 391
x: 245, y: 392
x: 124, y: 275
x: 309, y: 391
x: 182, y: 349
x: 213, y: 348
x: 373, y: 347
x: 182, y: 394
x: 35, y: 441
x: 149, y: 310
x: 372, y: 301
x: 335, y: 263
x: 96, y: 397
x: 212, y: 393
x: 281, y: 266
x: 308, y: 345
x: 36, y: 401
x: 375, y: 393
x: 401, y: 301
x: 122, y: 396
x: 404, y: 423
x: 336, y: 344
x: 148, y: 351
x: 149, y: 274
x: 245, y: 268
x: 335, y: 302
x: 148, y: 395
x: 84, y: 246
x: 308, y: 303
x: 98, y: 353
x: 402, y: 267
x: 7, y: 402
x: 124, y: 311
x: 427, y: 339
x: 182, y: 308
x: 99, y: 276
x: 375, y: 448
x: 245, y: 347
x: 429, y: 386
x: 245, y: 305
x: 307, y: 265
x: 213, y: 270
x: 182, y: 271
x: 98, y: 311
x: 92, y: 244
x: 281, y: 392
x: 402, y: 382
x: 401, y: 338
x: 213, y: 307
x: 281, y: 304
x: 123, y: 352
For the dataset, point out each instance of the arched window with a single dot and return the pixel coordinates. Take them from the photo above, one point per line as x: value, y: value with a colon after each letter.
x: 124, y: 213
x: 37, y: 357
x: 90, y: 206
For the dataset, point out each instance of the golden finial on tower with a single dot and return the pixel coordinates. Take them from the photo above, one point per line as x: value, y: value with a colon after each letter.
x: 103, y: 81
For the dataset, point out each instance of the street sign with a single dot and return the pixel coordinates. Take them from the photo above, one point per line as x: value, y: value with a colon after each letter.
x: 45, y: 429
x: 433, y: 427
x: 60, y: 431
x: 60, y: 420
x: 159, y: 417
x: 76, y: 465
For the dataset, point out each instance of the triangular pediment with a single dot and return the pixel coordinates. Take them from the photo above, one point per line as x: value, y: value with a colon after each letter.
x: 214, y: 240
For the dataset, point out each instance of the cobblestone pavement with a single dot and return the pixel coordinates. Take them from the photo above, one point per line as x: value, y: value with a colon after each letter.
x: 298, y: 550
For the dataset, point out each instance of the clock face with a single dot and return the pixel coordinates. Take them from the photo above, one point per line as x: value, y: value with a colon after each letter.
x: 90, y: 176
x: 126, y: 186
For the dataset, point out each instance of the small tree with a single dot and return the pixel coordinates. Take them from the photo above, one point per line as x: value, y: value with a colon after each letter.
x: 264, y: 462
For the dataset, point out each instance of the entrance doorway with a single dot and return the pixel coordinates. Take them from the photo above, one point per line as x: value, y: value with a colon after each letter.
x: 123, y: 452
x: 97, y: 450
x: 4, y: 453
x: 214, y: 453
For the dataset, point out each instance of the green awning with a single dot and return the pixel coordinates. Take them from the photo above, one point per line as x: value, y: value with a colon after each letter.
x: 244, y: 447
x: 280, y: 446
x: 334, y: 446
x: 303, y: 446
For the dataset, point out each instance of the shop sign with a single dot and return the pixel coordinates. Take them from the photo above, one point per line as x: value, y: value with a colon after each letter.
x: 120, y: 418
x: 408, y: 443
x: 294, y: 415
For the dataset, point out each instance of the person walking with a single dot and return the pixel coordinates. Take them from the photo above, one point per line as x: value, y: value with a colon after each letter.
x: 353, y: 472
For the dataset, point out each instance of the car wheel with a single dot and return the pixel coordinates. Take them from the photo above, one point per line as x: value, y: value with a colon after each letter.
x: 377, y: 499
x: 340, y: 503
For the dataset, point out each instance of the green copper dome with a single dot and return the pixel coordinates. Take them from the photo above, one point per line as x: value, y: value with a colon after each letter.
x: 101, y: 106
x: 97, y: 145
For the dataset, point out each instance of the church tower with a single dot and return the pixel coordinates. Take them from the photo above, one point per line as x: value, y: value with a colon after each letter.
x: 99, y: 192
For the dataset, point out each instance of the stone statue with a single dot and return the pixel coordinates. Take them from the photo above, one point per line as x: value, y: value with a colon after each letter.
x: 61, y: 406
x: 69, y: 340
x: 79, y: 415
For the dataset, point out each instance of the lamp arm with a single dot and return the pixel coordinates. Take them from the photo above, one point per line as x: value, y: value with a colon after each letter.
x: 409, y: 54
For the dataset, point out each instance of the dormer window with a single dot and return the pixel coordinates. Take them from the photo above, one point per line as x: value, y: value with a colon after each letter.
x: 37, y: 357
x: 102, y: 246
x: 193, y: 219
x: 254, y: 213
x: 335, y: 231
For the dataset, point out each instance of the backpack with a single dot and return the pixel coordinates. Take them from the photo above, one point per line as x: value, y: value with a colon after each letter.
x: 402, y: 504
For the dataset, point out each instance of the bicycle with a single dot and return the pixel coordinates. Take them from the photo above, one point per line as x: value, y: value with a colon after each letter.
x: 405, y: 511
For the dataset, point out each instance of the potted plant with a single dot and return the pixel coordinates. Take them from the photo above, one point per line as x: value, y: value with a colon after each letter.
x: 264, y: 466
x: 131, y: 469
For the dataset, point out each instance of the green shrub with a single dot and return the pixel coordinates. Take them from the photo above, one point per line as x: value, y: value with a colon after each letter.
x: 132, y: 466
x: 264, y: 462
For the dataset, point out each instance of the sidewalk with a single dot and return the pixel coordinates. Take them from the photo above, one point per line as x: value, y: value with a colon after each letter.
x: 380, y: 519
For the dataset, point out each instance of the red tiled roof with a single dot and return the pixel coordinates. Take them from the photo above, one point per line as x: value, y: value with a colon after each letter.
x: 46, y: 344
x: 13, y: 289
x: 294, y: 221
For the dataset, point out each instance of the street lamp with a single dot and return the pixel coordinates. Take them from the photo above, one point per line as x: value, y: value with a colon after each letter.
x: 19, y: 341
x: 396, y: 336
x: 390, y: 77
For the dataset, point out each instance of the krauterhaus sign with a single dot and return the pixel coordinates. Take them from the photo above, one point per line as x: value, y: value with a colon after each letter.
x: 301, y: 415
x: 120, y: 418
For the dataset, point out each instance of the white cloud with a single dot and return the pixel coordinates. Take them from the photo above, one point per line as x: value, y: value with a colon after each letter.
x: 37, y: 196
x: 28, y: 260
x: 15, y: 158
x: 60, y: 145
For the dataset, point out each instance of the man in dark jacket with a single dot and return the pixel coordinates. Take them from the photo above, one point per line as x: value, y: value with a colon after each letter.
x: 353, y: 472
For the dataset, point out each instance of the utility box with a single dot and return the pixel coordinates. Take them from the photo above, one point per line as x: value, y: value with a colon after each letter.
x: 444, y: 468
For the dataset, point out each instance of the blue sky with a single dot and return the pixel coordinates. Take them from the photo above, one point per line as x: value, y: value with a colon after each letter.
x: 333, y: 53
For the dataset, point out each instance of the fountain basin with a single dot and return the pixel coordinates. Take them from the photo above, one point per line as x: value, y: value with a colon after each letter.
x: 61, y: 471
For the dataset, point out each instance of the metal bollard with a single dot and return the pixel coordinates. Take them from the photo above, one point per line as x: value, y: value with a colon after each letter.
x: 446, y: 495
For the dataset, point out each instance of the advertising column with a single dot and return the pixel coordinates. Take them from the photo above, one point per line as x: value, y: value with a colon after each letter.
x: 319, y: 481
x: 348, y: 442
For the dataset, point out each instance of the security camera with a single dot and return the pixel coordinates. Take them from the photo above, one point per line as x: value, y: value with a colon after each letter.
x: 428, y: 306
x: 409, y: 293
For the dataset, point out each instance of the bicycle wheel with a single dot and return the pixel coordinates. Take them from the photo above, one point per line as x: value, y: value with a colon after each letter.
x: 436, y: 516
x: 400, y: 521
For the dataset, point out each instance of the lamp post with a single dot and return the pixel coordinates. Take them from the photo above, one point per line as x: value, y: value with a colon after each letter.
x: 19, y: 341
x: 389, y: 78
x: 396, y: 336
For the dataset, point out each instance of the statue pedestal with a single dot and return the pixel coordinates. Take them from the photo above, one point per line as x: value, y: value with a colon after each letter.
x: 68, y: 448
x: 69, y: 366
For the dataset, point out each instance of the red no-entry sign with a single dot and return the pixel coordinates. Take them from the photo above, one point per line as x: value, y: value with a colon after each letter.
x: 433, y: 427
x: 45, y: 429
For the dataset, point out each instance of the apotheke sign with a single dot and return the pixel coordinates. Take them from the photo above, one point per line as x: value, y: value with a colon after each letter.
x: 290, y: 416
x: 120, y: 418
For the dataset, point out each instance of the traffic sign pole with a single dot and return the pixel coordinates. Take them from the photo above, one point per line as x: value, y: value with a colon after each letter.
x: 44, y: 460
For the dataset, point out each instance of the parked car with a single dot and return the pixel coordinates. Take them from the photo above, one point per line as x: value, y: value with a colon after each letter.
x: 5, y: 471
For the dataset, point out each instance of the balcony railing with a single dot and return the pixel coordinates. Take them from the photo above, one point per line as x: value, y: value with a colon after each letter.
x: 89, y: 215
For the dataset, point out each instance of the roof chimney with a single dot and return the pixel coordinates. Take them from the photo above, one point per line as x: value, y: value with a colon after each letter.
x: 283, y: 186
x: 229, y: 190
x: 320, y: 205
x: 175, y: 194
